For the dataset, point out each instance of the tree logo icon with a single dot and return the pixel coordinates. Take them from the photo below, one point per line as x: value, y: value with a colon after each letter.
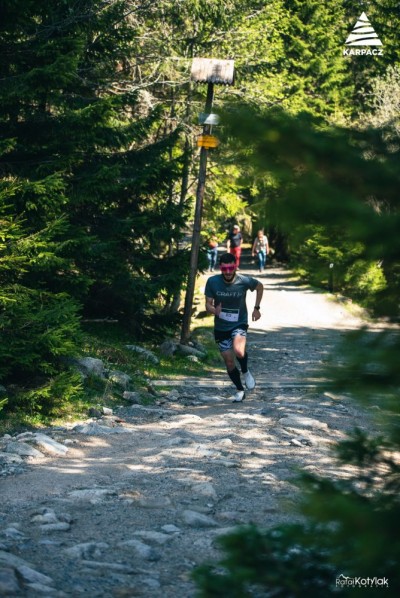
x: 363, y: 34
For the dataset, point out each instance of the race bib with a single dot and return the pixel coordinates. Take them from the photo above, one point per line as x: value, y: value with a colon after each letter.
x: 230, y: 315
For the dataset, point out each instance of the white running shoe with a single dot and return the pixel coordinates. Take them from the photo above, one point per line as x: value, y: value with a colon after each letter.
x: 238, y: 396
x: 249, y: 380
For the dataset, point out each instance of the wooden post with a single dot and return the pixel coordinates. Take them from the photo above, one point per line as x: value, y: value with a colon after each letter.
x: 194, y: 253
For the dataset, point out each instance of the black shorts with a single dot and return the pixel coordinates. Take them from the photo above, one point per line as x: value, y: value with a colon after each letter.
x: 224, y: 338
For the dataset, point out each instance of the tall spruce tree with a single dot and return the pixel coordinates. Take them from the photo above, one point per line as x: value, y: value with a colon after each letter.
x: 85, y: 171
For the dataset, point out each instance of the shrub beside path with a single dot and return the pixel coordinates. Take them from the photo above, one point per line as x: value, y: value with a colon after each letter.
x: 140, y: 496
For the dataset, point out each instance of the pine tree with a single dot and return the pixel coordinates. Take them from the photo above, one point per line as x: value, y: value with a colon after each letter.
x: 85, y: 170
x: 80, y: 149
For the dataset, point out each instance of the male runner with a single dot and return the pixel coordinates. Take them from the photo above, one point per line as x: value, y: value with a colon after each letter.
x: 226, y: 299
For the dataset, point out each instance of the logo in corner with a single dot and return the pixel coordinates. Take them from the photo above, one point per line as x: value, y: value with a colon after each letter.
x: 363, y: 34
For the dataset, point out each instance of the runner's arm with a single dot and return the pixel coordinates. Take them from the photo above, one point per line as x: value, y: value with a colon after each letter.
x: 259, y: 293
x: 211, y: 308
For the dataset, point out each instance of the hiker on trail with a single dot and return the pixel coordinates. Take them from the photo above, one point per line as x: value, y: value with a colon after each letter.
x: 260, y: 249
x: 212, y: 252
x: 226, y: 299
x: 234, y: 244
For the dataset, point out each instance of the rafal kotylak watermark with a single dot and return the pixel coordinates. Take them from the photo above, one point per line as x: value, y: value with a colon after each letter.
x: 361, y: 582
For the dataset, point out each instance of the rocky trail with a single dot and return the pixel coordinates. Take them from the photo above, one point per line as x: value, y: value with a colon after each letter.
x: 127, y: 505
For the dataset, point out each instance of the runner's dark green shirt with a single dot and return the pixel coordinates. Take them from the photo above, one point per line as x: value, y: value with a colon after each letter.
x: 232, y: 297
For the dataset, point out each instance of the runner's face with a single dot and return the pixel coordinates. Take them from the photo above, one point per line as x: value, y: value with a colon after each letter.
x: 228, y: 272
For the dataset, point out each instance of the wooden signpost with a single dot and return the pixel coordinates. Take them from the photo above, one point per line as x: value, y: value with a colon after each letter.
x: 213, y: 72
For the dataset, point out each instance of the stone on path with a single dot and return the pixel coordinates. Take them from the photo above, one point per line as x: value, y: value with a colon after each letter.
x: 204, y: 489
x: 87, y: 550
x: 195, y: 519
x: 95, y: 429
x: 31, y: 576
x: 151, y: 536
x: 298, y: 421
x: 49, y: 444
x: 9, y: 458
x: 9, y: 582
x: 203, y: 398
x: 60, y: 526
x: 13, y: 533
x: 141, y: 550
x: 22, y: 449
x: 170, y: 528
x: 155, y: 502
x: 92, y: 495
x: 117, y: 567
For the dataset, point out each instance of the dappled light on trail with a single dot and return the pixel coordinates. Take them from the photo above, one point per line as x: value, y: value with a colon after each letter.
x: 187, y: 469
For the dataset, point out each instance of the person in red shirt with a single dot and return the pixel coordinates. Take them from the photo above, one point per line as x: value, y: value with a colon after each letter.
x: 234, y: 244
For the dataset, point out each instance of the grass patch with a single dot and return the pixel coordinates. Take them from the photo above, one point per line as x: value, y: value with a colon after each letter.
x: 67, y: 398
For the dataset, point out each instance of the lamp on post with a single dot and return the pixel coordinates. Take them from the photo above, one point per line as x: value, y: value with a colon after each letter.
x: 213, y: 72
x: 330, y: 282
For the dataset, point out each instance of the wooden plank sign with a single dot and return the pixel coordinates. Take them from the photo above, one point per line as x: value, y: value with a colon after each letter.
x: 207, y: 141
x: 213, y: 70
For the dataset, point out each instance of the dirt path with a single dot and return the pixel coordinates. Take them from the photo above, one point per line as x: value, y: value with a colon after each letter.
x: 132, y: 513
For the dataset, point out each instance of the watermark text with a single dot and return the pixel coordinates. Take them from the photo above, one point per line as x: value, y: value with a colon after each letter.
x: 362, y: 582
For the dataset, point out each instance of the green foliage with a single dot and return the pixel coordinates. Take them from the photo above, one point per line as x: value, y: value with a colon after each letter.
x: 364, y: 73
x: 87, y: 223
x: 369, y: 370
x: 363, y: 280
x: 337, y: 194
x: 36, y: 329
x: 269, y: 561
x: 317, y: 76
x: 87, y: 170
x: 328, y: 257
x: 51, y: 398
x: 338, y: 202
x: 384, y: 102
x: 225, y: 201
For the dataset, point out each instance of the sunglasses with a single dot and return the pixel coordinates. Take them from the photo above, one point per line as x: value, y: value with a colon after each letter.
x: 229, y: 268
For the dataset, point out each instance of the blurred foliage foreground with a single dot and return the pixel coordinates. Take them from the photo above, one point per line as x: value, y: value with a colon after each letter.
x: 350, y: 544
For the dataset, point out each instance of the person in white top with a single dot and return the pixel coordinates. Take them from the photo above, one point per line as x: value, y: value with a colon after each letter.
x: 260, y: 249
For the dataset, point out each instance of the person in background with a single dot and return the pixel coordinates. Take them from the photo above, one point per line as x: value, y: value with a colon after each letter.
x: 226, y: 300
x: 212, y: 252
x: 234, y: 244
x: 261, y: 249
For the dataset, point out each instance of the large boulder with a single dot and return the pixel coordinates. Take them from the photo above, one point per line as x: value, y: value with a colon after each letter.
x: 89, y: 366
